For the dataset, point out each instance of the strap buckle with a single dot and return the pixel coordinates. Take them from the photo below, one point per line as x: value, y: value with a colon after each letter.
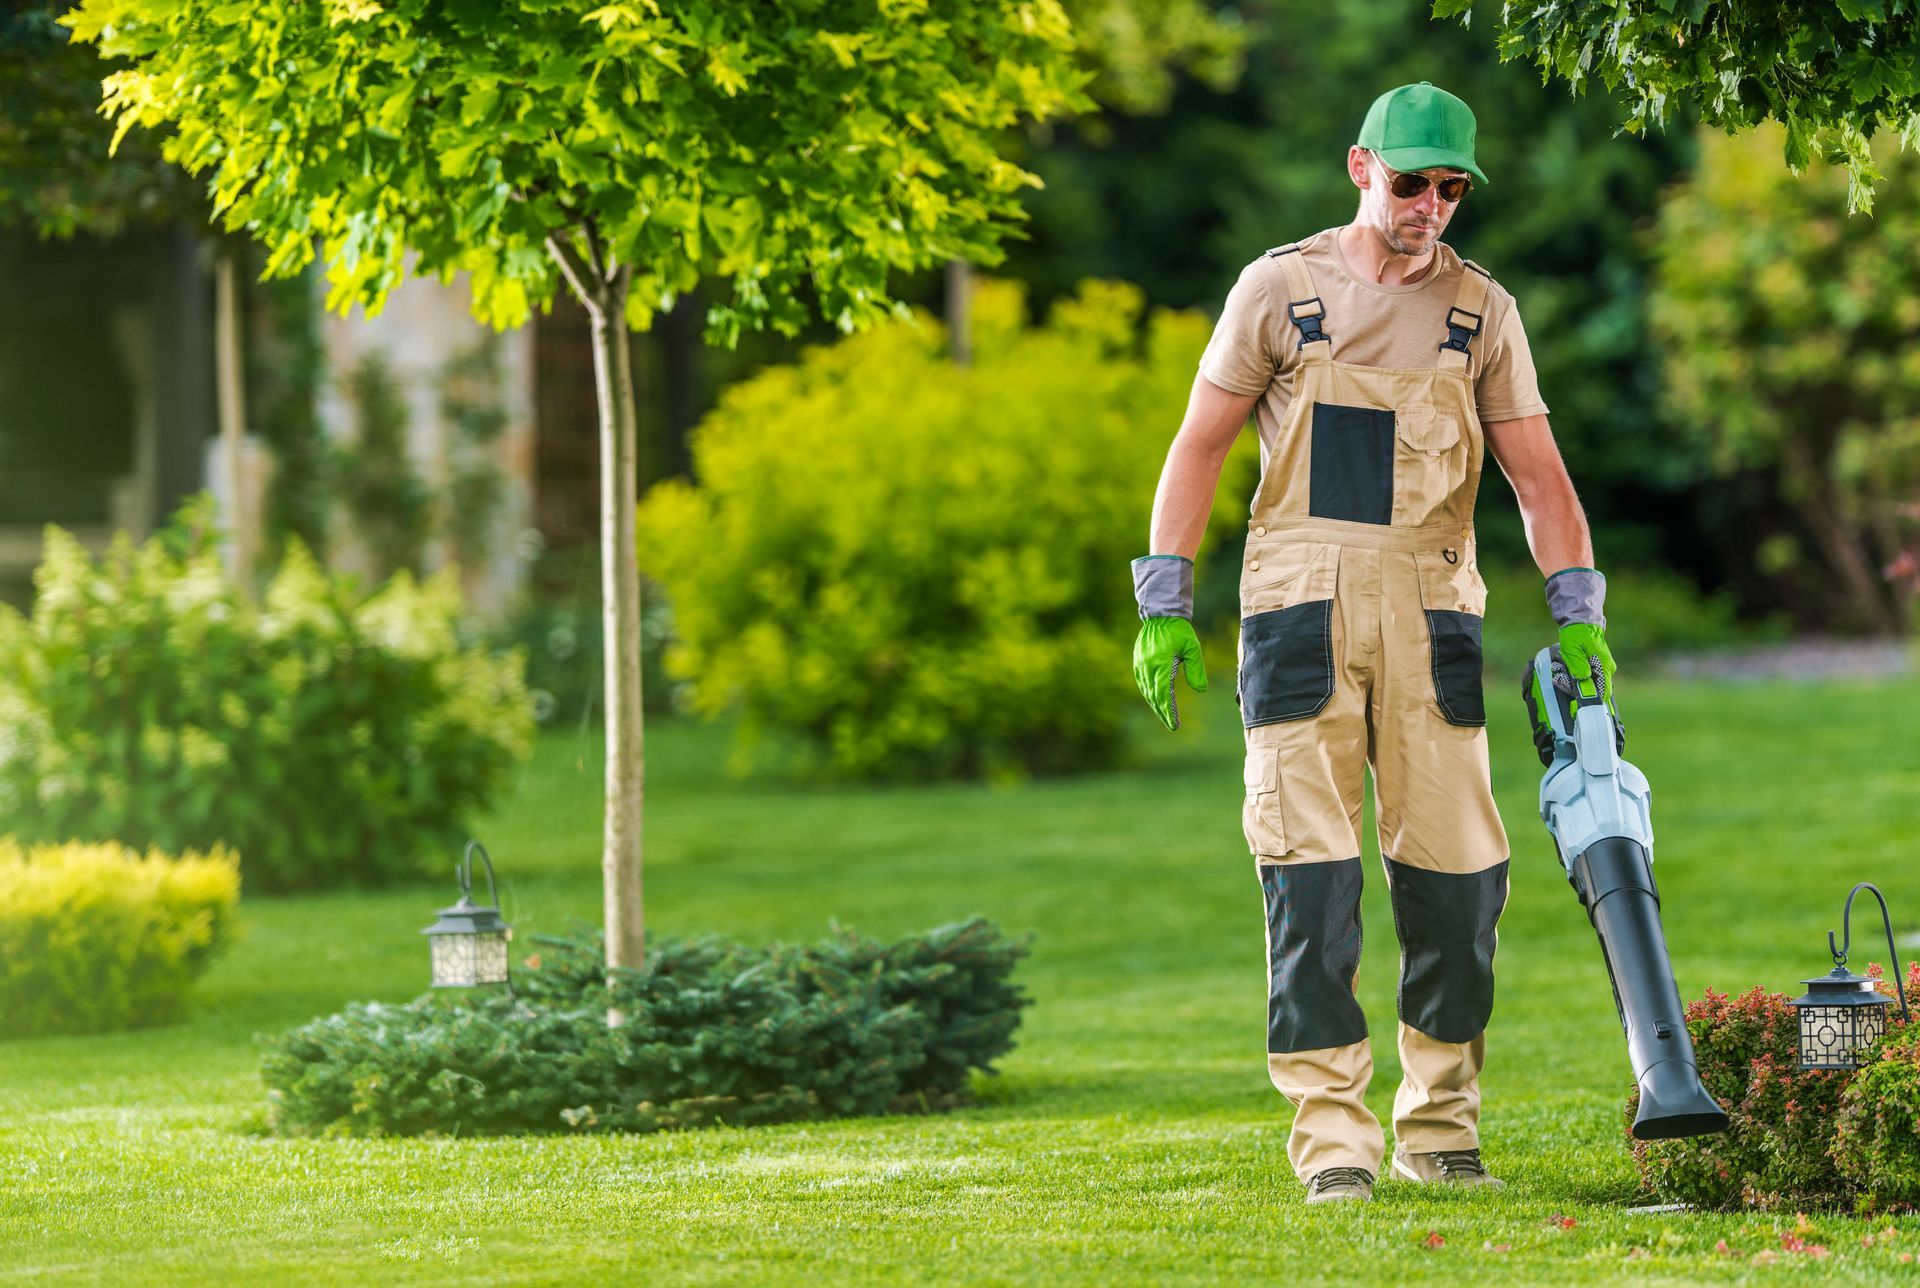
x: 1308, y: 323
x: 1459, y: 333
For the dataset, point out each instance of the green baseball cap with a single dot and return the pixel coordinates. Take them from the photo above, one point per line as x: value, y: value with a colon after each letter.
x: 1418, y: 127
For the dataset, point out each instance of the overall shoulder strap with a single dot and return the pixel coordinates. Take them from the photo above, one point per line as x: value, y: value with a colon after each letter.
x: 1464, y: 319
x: 1304, y: 308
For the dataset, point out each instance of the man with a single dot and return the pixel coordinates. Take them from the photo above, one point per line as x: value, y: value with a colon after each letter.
x: 1379, y: 367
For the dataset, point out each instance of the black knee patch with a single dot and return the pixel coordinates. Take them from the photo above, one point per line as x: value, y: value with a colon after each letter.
x: 1446, y: 925
x: 1313, y: 938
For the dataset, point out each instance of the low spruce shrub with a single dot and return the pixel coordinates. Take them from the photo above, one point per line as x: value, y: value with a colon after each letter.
x: 1796, y: 1139
x: 97, y: 937
x: 715, y: 1032
x: 327, y: 736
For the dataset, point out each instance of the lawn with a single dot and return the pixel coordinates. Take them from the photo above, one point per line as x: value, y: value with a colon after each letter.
x: 1131, y: 1137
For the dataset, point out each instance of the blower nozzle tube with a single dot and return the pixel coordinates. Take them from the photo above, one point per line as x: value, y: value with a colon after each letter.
x: 1614, y: 880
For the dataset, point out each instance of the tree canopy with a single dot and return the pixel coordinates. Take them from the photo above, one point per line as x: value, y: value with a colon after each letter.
x: 795, y: 151
x: 1832, y: 73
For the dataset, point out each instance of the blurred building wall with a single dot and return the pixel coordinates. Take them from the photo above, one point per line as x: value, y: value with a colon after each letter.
x: 106, y: 388
x: 423, y: 337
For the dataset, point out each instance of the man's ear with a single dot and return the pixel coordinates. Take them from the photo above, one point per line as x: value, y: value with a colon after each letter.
x: 1357, y: 167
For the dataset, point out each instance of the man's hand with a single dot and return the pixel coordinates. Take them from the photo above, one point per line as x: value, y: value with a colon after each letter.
x: 1163, y: 647
x: 1583, y: 647
x: 1163, y: 587
x: 1577, y: 599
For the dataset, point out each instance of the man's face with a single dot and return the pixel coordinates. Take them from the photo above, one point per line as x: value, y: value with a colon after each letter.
x: 1409, y: 225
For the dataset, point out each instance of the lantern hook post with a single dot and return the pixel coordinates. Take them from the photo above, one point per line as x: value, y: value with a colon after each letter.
x: 1886, y: 919
x: 465, y: 873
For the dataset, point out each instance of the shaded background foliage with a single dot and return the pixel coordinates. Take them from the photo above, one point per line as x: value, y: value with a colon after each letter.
x: 1790, y: 337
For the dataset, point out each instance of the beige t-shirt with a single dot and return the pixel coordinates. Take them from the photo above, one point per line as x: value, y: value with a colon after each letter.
x: 1255, y: 347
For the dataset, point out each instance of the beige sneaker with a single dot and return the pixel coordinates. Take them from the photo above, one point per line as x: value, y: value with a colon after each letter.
x: 1444, y: 1166
x: 1333, y: 1183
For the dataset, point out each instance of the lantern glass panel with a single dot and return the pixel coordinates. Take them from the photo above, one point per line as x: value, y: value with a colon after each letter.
x: 1832, y: 1037
x: 455, y: 963
x: 490, y: 957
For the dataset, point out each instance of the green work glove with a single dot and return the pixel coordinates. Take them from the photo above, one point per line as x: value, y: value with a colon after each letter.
x: 1159, y: 651
x: 1577, y: 598
x: 1163, y: 587
x: 1583, y: 647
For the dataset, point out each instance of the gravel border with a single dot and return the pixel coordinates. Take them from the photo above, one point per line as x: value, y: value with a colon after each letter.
x: 1807, y: 658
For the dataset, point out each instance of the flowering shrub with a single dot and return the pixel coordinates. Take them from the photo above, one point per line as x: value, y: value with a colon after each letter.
x: 327, y: 736
x: 1796, y: 1138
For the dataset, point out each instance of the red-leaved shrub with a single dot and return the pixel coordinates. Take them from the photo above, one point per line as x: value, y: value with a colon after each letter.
x: 1796, y: 1138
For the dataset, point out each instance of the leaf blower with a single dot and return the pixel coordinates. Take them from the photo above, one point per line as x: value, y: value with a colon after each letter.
x: 1596, y: 807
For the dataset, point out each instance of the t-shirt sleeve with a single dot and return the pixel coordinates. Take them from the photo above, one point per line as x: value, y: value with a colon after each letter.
x: 1508, y: 387
x: 1240, y: 357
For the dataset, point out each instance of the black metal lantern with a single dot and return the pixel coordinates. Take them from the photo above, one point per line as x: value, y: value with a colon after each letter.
x: 470, y: 941
x: 1842, y: 1013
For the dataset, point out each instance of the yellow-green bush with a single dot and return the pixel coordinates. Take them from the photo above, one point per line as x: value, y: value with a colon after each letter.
x: 922, y: 568
x: 97, y: 936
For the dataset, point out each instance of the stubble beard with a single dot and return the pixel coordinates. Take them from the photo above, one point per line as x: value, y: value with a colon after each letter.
x: 1401, y: 246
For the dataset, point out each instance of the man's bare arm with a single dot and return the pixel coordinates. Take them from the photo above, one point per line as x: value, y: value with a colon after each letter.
x: 1192, y: 472
x: 1556, y: 525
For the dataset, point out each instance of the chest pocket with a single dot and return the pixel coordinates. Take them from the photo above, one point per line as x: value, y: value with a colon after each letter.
x: 1423, y: 429
x: 1430, y: 463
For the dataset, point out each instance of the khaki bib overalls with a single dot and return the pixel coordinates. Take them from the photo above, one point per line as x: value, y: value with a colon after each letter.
x: 1361, y: 608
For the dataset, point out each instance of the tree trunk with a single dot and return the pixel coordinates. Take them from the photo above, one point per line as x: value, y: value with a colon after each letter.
x: 602, y: 287
x: 233, y: 414
x: 1846, y: 555
x: 620, y: 622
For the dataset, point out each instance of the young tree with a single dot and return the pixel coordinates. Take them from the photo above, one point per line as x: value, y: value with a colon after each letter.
x: 1831, y: 72
x: 794, y: 153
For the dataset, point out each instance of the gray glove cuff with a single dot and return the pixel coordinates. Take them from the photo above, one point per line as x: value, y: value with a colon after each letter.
x: 1163, y: 586
x: 1577, y: 595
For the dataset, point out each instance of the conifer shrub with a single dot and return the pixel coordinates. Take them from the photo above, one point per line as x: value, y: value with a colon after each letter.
x: 920, y: 569
x: 327, y: 736
x: 714, y: 1032
x: 1796, y: 1138
x: 98, y: 937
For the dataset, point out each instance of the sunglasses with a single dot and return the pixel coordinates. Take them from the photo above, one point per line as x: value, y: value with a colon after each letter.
x: 1407, y: 186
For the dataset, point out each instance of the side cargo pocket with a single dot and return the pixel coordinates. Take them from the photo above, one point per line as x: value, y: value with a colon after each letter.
x: 1261, y: 816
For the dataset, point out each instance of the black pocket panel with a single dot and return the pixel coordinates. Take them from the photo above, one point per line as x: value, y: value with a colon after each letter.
x: 1457, y: 666
x: 1313, y: 950
x: 1286, y: 663
x: 1446, y: 924
x: 1352, y: 469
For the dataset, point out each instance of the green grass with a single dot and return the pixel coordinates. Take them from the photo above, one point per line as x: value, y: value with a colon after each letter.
x: 1132, y: 1136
